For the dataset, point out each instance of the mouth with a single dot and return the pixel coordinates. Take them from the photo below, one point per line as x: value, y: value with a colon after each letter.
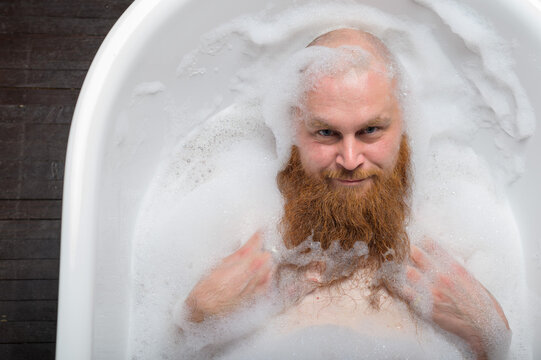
x: 350, y: 182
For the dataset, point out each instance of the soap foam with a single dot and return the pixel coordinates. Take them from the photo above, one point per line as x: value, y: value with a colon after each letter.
x: 217, y: 186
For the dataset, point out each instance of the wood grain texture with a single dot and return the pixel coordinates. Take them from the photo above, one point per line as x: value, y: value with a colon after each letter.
x: 32, y: 310
x: 35, y: 269
x: 15, y: 96
x: 29, y: 229
x: 27, y: 351
x: 29, y: 249
x: 31, y: 189
x: 55, y: 25
x: 61, y: 79
x: 20, y: 332
x: 81, y: 9
x: 47, y: 52
x: 24, y: 290
x: 37, y: 113
x: 30, y: 209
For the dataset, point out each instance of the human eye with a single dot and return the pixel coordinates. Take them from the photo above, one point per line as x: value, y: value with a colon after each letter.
x: 370, y: 130
x: 325, y: 133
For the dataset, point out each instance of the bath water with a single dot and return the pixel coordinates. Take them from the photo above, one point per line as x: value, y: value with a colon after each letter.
x: 467, y: 118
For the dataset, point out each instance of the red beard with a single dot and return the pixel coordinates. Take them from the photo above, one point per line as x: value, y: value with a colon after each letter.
x: 317, y: 211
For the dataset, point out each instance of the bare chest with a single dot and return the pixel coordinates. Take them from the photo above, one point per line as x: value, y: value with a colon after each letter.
x: 348, y: 306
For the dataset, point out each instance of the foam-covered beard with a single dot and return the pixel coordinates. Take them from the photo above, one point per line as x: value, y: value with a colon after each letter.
x: 316, y: 210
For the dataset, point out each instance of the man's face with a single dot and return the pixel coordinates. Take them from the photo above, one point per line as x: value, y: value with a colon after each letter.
x: 350, y: 129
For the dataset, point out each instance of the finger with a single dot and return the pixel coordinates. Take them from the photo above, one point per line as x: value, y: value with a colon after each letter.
x: 260, y: 260
x: 428, y: 244
x: 449, y: 268
x: 462, y: 275
x: 420, y: 258
x: 254, y: 243
x: 417, y: 301
x: 263, y: 284
x: 441, y: 296
x: 238, y: 273
x: 449, y: 321
x: 261, y: 276
x: 497, y: 306
x: 247, y: 250
x: 433, y: 248
x: 413, y: 276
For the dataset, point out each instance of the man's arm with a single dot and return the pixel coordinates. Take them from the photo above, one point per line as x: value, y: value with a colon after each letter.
x: 461, y: 305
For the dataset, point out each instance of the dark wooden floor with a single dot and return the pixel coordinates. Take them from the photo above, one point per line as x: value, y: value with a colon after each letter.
x: 46, y: 47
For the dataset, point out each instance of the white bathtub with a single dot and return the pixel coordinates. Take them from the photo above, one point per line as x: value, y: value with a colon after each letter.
x: 111, y: 159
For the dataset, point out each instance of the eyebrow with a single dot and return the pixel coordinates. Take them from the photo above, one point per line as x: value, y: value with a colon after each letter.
x: 318, y: 122
x: 378, y: 121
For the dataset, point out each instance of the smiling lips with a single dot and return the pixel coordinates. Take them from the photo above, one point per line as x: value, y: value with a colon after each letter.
x: 350, y: 182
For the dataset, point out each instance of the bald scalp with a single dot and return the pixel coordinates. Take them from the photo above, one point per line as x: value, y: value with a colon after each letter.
x: 352, y: 37
x: 361, y: 39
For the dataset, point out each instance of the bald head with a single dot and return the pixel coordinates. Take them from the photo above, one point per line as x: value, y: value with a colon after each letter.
x: 344, y: 36
x: 361, y: 39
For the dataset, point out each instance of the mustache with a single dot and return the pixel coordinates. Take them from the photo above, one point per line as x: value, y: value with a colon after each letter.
x: 357, y: 174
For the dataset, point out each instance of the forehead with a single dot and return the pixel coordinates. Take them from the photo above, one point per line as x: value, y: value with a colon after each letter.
x: 352, y: 85
x: 361, y: 95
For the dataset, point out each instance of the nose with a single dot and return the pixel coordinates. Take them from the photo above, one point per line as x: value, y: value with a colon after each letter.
x: 350, y: 153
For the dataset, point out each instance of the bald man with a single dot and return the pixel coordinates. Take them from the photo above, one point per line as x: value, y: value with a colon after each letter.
x: 346, y: 187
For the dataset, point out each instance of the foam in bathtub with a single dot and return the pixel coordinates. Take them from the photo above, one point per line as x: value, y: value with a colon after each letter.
x: 464, y: 114
x: 148, y: 88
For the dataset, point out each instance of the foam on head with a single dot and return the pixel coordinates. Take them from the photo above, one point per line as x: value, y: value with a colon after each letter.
x: 355, y: 38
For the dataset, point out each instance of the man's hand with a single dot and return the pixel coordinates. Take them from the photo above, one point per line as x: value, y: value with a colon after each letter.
x: 239, y: 278
x: 460, y: 304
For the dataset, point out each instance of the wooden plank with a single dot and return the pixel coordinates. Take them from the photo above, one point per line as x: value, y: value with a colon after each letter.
x: 47, y: 52
x: 28, y: 290
x: 11, y: 141
x: 32, y: 169
x: 37, y: 113
x: 54, y: 25
x: 31, y: 179
x: 30, y: 209
x: 62, y: 79
x: 46, y: 132
x: 10, y: 169
x: 106, y: 9
x: 41, y: 351
x: 45, y: 141
x: 11, y: 189
x: 11, y: 150
x: 43, y: 169
x: 35, y: 269
x: 27, y: 331
x: 29, y: 229
x: 15, y: 96
x: 33, y: 310
x: 11, y: 132
x: 41, y: 150
x: 29, y: 249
